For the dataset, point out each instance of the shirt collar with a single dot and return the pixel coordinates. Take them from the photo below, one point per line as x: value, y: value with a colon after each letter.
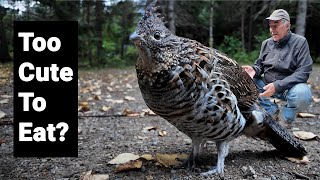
x: 283, y: 41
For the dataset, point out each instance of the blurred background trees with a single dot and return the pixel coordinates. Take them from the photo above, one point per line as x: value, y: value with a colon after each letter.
x: 236, y: 28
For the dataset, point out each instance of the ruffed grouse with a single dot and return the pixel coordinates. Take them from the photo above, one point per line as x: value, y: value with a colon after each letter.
x: 202, y: 92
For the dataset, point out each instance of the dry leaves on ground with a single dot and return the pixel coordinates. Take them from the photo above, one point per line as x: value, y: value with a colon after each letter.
x: 132, y: 165
x: 89, y: 176
x: 168, y: 160
x: 6, y: 96
x: 129, y: 98
x: 304, y: 135
x: 124, y: 158
x: 126, y: 162
x: 105, y: 108
x: 6, y: 73
x: 148, y: 112
x: 83, y: 107
x: 130, y: 113
x: 306, y: 115
x: 316, y: 99
x: 4, y: 101
x: 153, y: 128
x: 147, y: 157
x: 2, y: 114
x: 303, y: 160
x: 114, y: 101
x: 162, y: 133
x: 129, y: 161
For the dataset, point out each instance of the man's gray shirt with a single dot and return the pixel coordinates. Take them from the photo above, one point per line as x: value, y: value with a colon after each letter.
x: 285, y: 63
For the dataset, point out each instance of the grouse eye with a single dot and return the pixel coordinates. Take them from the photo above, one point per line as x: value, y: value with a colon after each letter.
x: 156, y: 35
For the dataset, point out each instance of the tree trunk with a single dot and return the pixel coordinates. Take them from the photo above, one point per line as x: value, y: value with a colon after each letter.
x: 301, y: 17
x: 88, y: 53
x: 4, y: 50
x: 211, y: 24
x: 243, y: 40
x: 171, y: 17
x: 98, y: 29
x: 250, y: 34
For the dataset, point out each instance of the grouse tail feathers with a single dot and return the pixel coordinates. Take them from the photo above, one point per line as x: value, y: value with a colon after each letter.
x: 263, y: 126
x: 280, y: 138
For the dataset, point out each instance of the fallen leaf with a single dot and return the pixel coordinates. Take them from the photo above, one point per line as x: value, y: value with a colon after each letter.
x: 147, y: 157
x: 129, y: 86
x: 100, y: 177
x: 89, y: 88
x: 118, y: 101
x: 316, y: 99
x: 142, y: 114
x: 2, y: 114
x: 149, y: 112
x: 167, y: 160
x: 306, y: 115
x: 304, y: 135
x: 84, y: 103
x: 109, y: 96
x: 4, y: 101
x: 109, y: 89
x: 84, y: 106
x: 105, y: 108
x: 89, y: 176
x: 97, y: 93
x: 149, y: 177
x: 142, y: 138
x: 124, y: 158
x: 96, y: 97
x: 303, y: 160
x: 6, y: 96
x: 149, y: 128
x: 129, y: 113
x: 162, y: 133
x: 129, y: 98
x: 137, y: 164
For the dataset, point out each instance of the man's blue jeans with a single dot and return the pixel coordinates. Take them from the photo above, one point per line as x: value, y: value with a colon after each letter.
x: 298, y: 98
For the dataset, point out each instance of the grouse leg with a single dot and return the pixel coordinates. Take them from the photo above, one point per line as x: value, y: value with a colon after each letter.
x: 190, y: 163
x: 223, y: 150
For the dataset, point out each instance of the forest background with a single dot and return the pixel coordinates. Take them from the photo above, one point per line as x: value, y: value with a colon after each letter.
x: 236, y: 28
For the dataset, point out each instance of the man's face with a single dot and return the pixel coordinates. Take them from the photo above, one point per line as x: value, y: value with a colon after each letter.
x: 278, y: 29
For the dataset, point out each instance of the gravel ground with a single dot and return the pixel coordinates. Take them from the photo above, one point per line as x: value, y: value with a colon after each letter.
x: 118, y: 128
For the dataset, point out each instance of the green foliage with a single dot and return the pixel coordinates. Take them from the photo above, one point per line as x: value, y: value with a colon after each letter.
x: 232, y: 46
x: 131, y: 55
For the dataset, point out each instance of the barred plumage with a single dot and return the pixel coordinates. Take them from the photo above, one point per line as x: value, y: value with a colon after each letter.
x: 201, y: 91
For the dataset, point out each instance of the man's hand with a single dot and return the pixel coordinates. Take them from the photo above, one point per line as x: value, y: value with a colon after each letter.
x: 249, y: 70
x: 269, y: 90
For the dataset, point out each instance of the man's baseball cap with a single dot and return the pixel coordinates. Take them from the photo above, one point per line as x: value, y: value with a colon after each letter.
x: 279, y: 14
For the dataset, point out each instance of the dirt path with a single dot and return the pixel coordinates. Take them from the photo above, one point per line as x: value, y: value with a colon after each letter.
x: 114, y: 94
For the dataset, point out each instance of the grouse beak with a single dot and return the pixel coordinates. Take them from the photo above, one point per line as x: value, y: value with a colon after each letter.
x: 135, y: 37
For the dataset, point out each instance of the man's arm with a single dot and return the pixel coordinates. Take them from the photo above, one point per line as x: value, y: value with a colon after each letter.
x: 301, y: 74
x: 258, y: 66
